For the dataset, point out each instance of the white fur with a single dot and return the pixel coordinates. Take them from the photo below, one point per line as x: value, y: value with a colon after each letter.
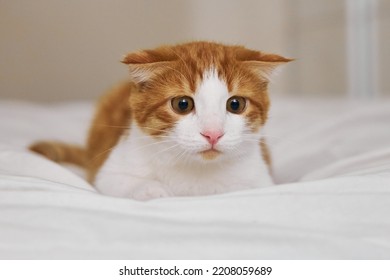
x: 143, y: 167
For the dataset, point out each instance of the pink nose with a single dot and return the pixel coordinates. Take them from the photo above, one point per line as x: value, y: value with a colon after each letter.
x: 212, y: 136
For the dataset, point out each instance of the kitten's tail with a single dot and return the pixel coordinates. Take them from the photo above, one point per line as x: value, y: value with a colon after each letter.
x: 61, y: 152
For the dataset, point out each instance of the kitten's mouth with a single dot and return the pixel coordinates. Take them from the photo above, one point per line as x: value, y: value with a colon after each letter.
x: 210, y: 154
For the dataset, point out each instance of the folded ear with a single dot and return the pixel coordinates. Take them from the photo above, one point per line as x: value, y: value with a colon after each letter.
x: 146, y: 64
x: 263, y: 64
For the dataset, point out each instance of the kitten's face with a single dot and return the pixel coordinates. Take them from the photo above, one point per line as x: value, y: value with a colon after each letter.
x: 202, y: 101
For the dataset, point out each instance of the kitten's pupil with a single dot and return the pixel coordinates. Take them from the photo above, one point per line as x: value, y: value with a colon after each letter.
x: 183, y: 104
x: 234, y: 104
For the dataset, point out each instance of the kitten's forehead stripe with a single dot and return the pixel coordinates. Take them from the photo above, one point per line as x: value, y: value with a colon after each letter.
x: 212, y: 84
x: 210, y: 97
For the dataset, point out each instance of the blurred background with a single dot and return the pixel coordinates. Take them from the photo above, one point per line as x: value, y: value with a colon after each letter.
x: 54, y: 50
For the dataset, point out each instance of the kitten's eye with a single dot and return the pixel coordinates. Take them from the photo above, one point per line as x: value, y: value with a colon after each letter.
x: 182, y: 104
x: 236, y: 104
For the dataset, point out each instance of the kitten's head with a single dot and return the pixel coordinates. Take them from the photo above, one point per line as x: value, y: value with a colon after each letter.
x: 203, y: 100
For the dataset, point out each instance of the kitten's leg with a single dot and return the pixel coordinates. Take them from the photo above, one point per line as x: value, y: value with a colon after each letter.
x: 120, y: 185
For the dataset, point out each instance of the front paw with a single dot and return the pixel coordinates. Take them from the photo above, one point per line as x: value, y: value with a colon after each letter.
x: 149, y: 191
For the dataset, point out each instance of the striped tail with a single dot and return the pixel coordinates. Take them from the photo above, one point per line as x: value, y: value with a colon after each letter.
x: 61, y: 152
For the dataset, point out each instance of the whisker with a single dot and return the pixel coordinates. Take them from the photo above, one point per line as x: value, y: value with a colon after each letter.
x: 128, y: 127
x: 176, y: 158
x: 268, y: 136
x: 138, y: 149
x: 149, y: 145
x: 101, y: 153
x: 151, y: 137
x: 282, y: 139
x: 113, y: 126
x: 154, y: 129
x: 164, y: 150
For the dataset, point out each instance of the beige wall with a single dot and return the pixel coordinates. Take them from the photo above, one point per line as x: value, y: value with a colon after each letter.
x: 318, y: 38
x: 64, y: 50
x: 56, y: 50
x: 318, y: 34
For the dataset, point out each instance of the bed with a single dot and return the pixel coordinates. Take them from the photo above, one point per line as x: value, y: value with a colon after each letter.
x: 331, y: 163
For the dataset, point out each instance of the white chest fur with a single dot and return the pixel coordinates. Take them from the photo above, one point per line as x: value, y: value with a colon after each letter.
x: 145, y: 170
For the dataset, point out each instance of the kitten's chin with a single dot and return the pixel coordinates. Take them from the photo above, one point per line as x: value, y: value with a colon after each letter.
x: 210, y: 154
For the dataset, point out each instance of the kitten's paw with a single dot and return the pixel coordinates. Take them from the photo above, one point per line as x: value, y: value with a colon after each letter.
x: 148, y: 192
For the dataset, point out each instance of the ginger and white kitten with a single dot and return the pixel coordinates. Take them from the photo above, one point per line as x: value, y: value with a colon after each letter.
x: 187, y: 123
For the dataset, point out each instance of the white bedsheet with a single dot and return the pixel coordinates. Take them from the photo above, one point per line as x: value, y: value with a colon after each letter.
x: 331, y: 160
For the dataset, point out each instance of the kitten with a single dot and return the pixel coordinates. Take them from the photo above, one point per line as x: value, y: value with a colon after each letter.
x: 187, y: 123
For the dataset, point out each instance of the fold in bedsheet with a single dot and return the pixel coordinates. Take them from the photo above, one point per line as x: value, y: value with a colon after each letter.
x: 335, y: 205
